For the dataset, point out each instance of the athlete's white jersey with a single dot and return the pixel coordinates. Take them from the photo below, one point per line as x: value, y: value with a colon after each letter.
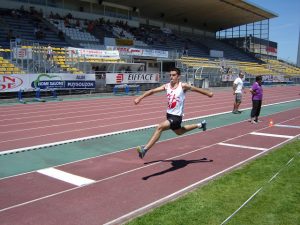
x: 176, y: 97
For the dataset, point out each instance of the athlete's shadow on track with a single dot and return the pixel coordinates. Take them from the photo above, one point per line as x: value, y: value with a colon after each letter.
x: 176, y: 164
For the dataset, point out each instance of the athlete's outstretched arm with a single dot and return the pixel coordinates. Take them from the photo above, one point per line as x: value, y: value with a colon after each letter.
x: 148, y: 93
x: 199, y: 90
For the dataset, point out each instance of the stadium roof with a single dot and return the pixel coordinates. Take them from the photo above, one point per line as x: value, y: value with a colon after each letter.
x: 210, y: 15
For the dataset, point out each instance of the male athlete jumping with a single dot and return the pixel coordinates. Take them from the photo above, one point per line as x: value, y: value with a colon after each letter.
x: 175, y: 95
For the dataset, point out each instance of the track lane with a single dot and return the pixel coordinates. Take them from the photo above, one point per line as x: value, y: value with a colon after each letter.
x: 119, y: 175
x: 53, y: 129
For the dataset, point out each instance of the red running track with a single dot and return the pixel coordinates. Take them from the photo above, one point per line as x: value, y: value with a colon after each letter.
x: 37, y: 124
x: 124, y: 186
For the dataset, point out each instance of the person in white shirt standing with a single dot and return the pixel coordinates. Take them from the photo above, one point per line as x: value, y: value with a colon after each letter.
x: 238, y: 86
x: 175, y: 95
x: 49, y: 52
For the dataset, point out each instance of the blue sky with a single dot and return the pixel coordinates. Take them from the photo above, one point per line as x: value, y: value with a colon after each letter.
x: 285, y: 28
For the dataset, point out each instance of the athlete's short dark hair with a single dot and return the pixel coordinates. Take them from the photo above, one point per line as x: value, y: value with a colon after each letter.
x: 176, y: 70
x: 258, y: 78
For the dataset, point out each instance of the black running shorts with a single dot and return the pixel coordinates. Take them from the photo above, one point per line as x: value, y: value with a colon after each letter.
x: 175, y: 121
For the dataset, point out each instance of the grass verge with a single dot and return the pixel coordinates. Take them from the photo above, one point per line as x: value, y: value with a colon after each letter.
x: 276, y: 204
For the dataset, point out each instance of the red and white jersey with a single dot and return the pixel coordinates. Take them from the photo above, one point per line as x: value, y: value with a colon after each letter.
x: 176, y: 97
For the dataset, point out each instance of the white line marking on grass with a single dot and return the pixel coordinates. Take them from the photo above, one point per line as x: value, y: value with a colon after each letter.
x: 243, y: 146
x: 275, y: 175
x: 248, y: 200
x: 255, y: 193
x: 288, y: 126
x: 66, y: 177
x: 290, y: 161
x: 272, y: 135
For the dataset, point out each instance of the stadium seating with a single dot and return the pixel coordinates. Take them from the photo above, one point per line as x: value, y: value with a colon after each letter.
x: 252, y: 68
x: 26, y: 29
x: 199, y: 62
x: 6, y: 67
x: 283, y: 67
x: 256, y: 68
x: 66, y: 64
x: 194, y: 49
x: 77, y: 32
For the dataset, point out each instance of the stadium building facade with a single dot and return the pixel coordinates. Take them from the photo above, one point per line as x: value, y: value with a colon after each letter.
x: 210, y: 40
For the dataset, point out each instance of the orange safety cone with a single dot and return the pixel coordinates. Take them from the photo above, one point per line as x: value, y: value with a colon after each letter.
x: 271, y: 123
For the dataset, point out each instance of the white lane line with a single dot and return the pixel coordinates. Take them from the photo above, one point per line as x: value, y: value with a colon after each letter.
x: 117, y: 132
x: 89, y: 137
x: 242, y: 146
x: 158, y: 202
x: 185, y: 190
x: 72, y: 140
x: 272, y: 135
x: 66, y: 177
x: 288, y: 126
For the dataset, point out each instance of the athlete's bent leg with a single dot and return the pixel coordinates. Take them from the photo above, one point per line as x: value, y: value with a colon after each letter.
x: 185, y: 129
x: 156, y: 135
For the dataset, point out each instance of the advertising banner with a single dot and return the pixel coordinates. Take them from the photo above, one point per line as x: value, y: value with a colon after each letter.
x: 140, y: 52
x: 265, y: 78
x: 29, y: 82
x: 14, y: 82
x: 92, y: 53
x: 271, y: 78
x: 127, y: 50
x: 229, y: 77
x: 216, y: 53
x: 131, y: 78
x: 156, y: 53
x: 124, y: 42
x: 22, y: 53
x: 65, y: 81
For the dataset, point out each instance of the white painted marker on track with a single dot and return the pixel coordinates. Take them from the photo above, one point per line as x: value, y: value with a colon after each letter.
x: 243, y: 146
x: 272, y: 135
x: 66, y: 177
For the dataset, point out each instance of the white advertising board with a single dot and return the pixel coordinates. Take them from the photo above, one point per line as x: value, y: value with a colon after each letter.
x: 132, y: 78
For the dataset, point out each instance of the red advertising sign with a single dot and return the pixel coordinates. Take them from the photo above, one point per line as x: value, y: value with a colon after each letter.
x: 9, y: 82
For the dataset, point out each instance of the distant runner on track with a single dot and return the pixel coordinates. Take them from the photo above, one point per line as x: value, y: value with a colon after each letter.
x: 175, y: 95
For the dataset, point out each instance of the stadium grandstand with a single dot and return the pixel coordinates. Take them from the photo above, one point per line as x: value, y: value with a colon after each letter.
x: 95, y: 45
